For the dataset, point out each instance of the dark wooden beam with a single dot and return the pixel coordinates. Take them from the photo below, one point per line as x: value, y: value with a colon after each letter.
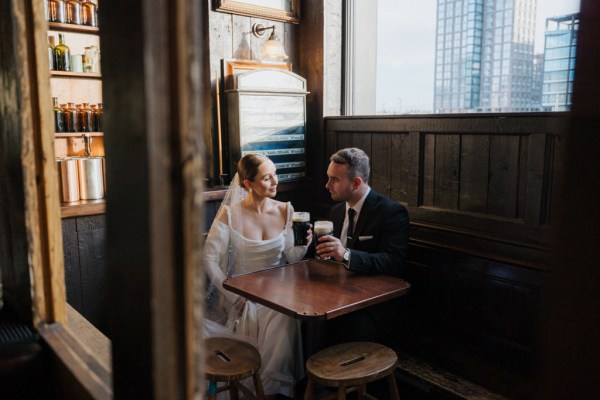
x: 570, y: 318
x: 156, y: 94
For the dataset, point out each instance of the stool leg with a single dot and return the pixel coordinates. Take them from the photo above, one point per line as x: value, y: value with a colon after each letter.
x: 233, y: 391
x: 212, y: 390
x: 260, y: 394
x: 361, y: 392
x: 342, y: 392
x: 308, y: 393
x: 393, y: 387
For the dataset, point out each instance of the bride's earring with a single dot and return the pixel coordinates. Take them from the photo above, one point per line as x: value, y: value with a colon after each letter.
x: 247, y: 185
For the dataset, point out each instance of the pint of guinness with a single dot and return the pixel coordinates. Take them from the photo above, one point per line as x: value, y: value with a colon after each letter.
x: 322, y: 228
x: 301, y: 225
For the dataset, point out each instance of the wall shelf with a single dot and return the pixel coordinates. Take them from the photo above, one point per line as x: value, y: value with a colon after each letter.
x: 57, y: 26
x: 82, y: 207
x: 69, y: 74
x: 77, y: 87
x: 77, y: 134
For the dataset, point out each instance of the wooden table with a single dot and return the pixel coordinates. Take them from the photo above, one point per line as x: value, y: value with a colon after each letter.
x: 315, y: 290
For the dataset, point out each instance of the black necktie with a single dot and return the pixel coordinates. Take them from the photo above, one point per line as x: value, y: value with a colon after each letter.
x: 351, y: 214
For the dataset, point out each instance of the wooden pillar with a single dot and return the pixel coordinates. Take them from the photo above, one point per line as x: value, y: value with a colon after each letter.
x: 156, y: 95
x: 30, y: 232
x: 571, y: 349
x: 320, y: 62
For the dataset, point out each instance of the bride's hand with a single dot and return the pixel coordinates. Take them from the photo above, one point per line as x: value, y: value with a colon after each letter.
x: 309, y: 236
x: 238, y: 306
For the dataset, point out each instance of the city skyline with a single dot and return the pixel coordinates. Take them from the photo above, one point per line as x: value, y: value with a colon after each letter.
x: 410, y: 32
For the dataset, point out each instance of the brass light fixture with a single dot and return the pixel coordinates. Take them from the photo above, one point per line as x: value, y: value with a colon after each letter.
x: 273, y: 49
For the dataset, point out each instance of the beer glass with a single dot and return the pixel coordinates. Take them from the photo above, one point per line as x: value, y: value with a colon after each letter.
x: 301, y: 225
x: 322, y: 228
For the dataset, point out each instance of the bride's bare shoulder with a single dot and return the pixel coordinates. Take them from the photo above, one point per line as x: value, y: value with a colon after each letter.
x: 222, y: 214
x: 282, y: 207
x: 280, y: 204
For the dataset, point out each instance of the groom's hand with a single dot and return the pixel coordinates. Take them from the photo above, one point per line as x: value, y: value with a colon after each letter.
x: 330, y: 246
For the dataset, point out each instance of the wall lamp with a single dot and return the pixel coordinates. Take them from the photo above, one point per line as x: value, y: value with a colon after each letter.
x: 272, y: 49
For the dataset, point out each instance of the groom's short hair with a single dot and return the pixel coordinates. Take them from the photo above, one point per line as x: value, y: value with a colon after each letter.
x: 356, y: 160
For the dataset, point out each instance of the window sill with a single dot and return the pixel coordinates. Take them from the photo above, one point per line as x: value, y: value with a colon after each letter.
x: 84, y: 352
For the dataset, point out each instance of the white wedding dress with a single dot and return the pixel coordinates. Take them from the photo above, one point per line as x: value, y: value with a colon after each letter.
x: 276, y: 335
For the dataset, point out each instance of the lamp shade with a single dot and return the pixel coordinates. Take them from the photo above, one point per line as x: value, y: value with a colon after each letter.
x: 273, y: 49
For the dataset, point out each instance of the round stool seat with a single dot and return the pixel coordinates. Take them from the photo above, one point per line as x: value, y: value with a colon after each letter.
x: 230, y: 360
x: 352, y: 364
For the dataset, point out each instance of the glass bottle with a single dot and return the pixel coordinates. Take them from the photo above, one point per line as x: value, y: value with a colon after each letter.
x: 71, y: 118
x: 97, y: 108
x: 73, y: 12
x: 62, y: 55
x: 89, y: 14
x: 86, y: 118
x: 59, y: 122
x: 97, y: 13
x: 51, y: 52
x: 46, y: 11
x: 87, y: 60
x: 91, y: 59
x: 64, y: 108
x: 56, y: 11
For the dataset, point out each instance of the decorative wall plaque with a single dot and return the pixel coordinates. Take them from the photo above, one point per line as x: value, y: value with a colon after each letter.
x: 267, y: 115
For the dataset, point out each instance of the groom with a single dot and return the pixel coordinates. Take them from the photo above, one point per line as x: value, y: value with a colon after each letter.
x: 370, y: 236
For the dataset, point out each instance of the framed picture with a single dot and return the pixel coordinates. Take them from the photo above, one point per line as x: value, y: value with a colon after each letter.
x: 277, y: 10
x: 266, y: 114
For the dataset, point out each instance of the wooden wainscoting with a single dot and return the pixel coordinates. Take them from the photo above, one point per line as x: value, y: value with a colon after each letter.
x: 484, y: 184
x: 480, y: 190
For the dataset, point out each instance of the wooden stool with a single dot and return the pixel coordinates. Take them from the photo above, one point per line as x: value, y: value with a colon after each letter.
x: 351, y: 365
x: 230, y: 360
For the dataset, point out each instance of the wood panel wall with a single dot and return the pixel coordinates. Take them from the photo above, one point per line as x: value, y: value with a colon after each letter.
x: 84, y: 240
x: 479, y: 184
x: 480, y: 190
x: 230, y: 37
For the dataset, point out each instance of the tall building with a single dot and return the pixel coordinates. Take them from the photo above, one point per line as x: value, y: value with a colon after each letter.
x: 484, y: 56
x: 559, y: 62
x: 537, y: 82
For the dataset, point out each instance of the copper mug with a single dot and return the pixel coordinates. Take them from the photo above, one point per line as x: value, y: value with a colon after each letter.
x: 68, y: 175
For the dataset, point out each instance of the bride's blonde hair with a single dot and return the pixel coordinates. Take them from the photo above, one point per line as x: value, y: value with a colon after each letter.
x: 248, y: 167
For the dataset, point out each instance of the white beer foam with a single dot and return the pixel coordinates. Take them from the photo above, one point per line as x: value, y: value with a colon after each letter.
x: 301, y: 216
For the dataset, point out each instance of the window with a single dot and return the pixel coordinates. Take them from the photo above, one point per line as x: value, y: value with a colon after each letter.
x: 415, y: 73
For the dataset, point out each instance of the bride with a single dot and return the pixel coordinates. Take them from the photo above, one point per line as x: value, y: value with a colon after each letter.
x: 252, y: 231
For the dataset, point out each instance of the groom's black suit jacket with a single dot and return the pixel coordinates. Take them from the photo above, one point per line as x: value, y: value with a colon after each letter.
x: 379, y: 246
x: 380, y: 238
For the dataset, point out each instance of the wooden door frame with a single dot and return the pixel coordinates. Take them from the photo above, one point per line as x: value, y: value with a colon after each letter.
x: 157, y: 97
x: 32, y: 226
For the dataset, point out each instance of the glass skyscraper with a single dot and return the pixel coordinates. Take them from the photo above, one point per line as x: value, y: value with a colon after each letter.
x: 484, y: 56
x: 538, y: 80
x: 559, y: 62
